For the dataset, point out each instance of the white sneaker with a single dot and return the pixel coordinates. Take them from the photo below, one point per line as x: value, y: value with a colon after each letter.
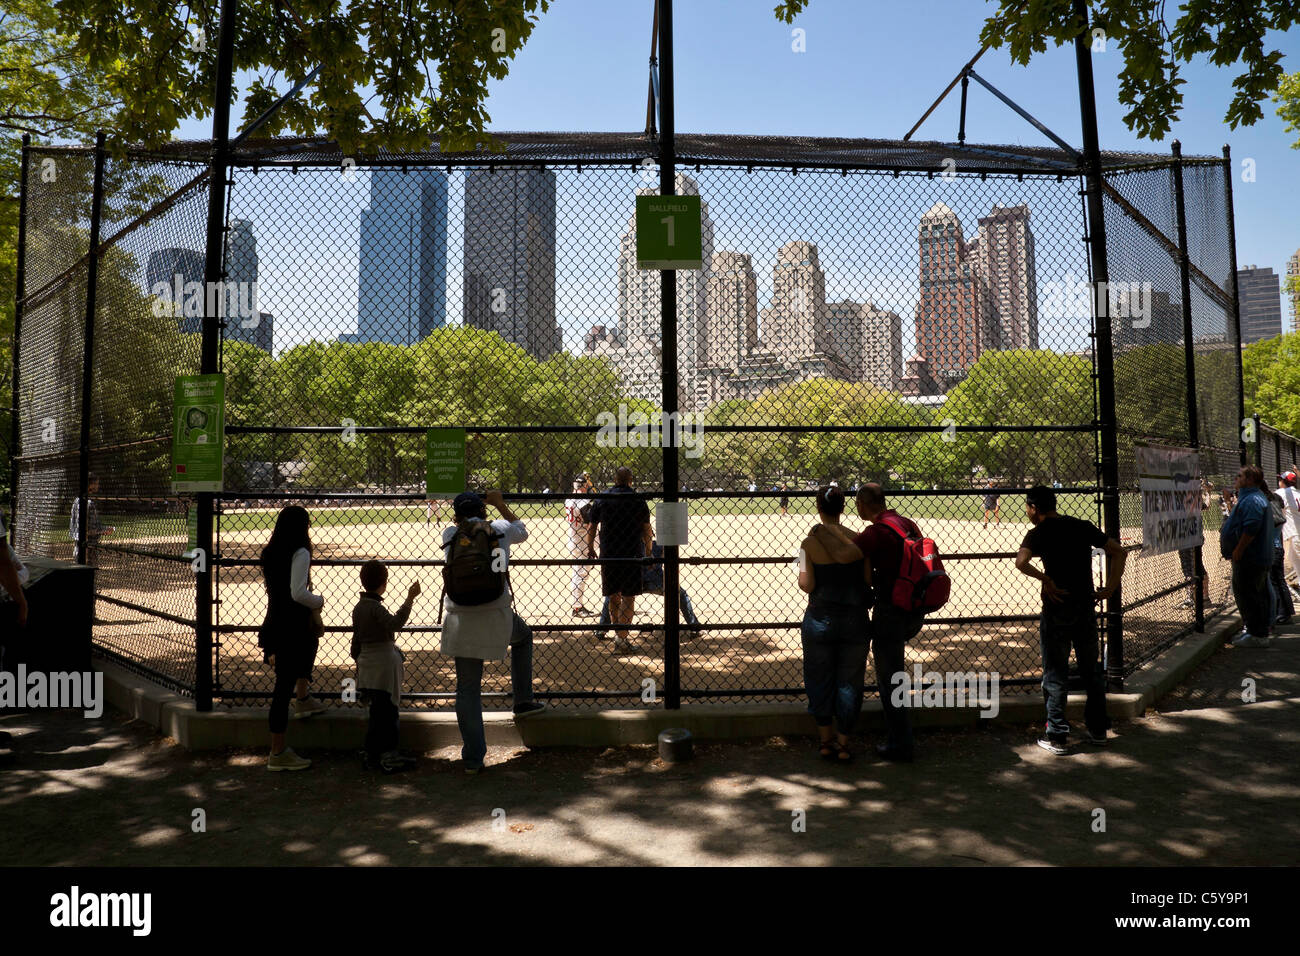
x: 307, y: 707
x: 286, y: 759
x: 1250, y: 640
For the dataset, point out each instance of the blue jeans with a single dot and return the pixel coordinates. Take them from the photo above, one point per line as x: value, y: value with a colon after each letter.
x: 469, y: 691
x: 835, y: 644
x: 683, y: 599
x: 1280, y: 603
x: 1057, y: 632
x: 892, y: 628
x: 1250, y: 591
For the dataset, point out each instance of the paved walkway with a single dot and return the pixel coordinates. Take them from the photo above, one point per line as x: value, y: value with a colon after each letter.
x: 1203, y: 778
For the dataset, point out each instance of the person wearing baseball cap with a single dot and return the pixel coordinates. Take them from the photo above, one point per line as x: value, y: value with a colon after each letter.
x: 474, y: 633
x: 1286, y: 490
x: 578, y: 547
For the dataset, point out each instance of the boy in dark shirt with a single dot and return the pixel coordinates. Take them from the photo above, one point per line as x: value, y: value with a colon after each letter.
x: 379, y: 664
x: 623, y: 520
x: 1069, y: 618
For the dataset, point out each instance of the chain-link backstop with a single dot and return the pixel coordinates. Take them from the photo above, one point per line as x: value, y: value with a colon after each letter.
x: 918, y: 314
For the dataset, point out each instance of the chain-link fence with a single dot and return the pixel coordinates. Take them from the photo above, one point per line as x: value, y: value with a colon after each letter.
x: 919, y: 315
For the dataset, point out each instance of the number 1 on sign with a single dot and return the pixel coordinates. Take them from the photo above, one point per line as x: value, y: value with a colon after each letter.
x: 668, y: 221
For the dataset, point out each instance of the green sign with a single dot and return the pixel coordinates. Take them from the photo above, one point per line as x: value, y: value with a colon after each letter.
x: 668, y: 232
x: 444, y: 461
x: 198, y: 432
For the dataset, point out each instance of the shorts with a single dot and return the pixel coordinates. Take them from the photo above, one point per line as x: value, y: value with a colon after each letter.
x: 622, y: 577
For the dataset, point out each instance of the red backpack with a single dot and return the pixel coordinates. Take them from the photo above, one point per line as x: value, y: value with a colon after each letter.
x: 922, y: 585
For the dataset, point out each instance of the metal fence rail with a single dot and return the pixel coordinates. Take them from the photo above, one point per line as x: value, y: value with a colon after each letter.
x: 918, y: 314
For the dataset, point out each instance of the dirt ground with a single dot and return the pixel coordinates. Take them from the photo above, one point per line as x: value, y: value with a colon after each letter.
x: 569, y: 660
x: 1204, y: 778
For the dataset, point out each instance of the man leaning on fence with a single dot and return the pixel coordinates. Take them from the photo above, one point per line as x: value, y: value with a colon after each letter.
x: 1246, y: 539
x: 1069, y: 616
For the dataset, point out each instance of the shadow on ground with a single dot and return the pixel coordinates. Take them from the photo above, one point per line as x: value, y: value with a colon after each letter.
x: 1205, y: 778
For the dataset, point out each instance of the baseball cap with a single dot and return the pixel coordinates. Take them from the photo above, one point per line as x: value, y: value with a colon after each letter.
x: 467, y: 504
x: 1288, y: 477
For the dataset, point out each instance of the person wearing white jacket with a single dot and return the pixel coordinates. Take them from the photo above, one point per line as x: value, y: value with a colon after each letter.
x: 290, y: 635
x: 475, y: 633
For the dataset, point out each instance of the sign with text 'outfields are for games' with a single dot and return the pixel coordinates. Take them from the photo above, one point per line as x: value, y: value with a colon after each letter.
x: 668, y: 232
x: 444, y: 459
x: 198, y: 432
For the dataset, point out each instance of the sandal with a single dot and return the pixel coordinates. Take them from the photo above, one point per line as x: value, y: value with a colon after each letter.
x: 845, y: 755
x: 829, y: 750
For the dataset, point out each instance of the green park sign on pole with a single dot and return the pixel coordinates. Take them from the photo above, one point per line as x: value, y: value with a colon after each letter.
x: 668, y: 232
x: 198, y: 432
x: 444, y: 460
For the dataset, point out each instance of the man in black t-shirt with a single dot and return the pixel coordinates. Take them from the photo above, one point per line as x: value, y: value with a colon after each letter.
x: 1069, y: 617
x: 623, y: 519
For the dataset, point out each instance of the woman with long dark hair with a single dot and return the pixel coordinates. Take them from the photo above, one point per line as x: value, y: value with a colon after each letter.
x: 836, y: 630
x: 290, y: 636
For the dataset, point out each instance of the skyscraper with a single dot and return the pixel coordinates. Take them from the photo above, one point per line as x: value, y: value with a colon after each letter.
x: 245, y: 322
x: 954, y: 323
x: 638, y: 297
x: 174, y: 267
x: 509, y: 257
x: 796, y: 324
x: 402, y: 275
x: 1004, y: 256
x: 733, y: 309
x: 1260, y: 295
x: 1293, y: 279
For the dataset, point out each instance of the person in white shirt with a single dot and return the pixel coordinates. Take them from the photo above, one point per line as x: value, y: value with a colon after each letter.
x: 475, y: 633
x: 578, y: 546
x: 1286, y: 490
x: 290, y: 635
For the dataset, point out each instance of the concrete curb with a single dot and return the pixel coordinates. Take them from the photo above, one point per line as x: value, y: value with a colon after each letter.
x: 343, y: 727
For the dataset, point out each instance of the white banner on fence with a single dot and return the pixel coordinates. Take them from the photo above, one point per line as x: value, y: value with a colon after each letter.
x: 1170, y: 482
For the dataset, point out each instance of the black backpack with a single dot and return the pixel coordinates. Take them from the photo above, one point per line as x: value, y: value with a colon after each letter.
x: 1278, y: 508
x: 469, y: 577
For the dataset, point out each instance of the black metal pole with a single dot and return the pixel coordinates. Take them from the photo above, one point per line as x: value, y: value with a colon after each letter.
x: 88, y: 351
x: 961, y: 126
x: 1236, y: 302
x: 15, y: 432
x: 1101, y: 336
x: 213, y: 276
x: 668, y: 321
x: 1189, y: 361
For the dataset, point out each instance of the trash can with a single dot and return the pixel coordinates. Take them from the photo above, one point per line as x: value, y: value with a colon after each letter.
x: 60, y: 608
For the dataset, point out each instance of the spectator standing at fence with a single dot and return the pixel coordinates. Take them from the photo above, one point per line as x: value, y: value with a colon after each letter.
x: 1286, y: 489
x: 836, y: 629
x: 991, y: 505
x: 13, y: 575
x: 579, y: 546
x: 652, y: 582
x: 379, y: 665
x: 1069, y: 615
x: 784, y: 501
x: 474, y: 633
x: 891, y: 626
x: 95, y: 528
x: 623, y: 520
x: 290, y: 635
x: 1280, y: 606
x: 1246, y: 539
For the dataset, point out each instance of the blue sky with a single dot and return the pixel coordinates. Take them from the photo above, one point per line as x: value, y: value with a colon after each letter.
x: 870, y: 69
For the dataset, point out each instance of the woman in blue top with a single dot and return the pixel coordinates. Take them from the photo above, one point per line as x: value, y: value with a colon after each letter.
x: 836, y: 629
